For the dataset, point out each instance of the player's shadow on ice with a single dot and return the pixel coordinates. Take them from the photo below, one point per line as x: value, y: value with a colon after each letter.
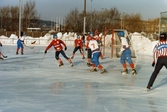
x: 79, y: 62
x: 162, y: 82
x: 138, y: 67
x: 106, y: 62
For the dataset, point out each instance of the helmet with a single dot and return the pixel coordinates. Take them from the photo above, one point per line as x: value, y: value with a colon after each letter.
x: 121, y: 34
x: 21, y: 33
x: 163, y: 36
x: 91, y: 34
x: 78, y: 36
x: 54, y: 35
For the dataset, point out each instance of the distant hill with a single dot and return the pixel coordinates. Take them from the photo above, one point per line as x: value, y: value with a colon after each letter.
x: 44, y: 23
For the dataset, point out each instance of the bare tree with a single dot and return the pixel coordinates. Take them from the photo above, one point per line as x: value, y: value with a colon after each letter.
x: 99, y: 20
x: 112, y: 18
x: 10, y: 17
x: 14, y: 10
x: 30, y: 16
x: 132, y: 22
x: 151, y: 25
x: 72, y: 20
x: 5, y: 14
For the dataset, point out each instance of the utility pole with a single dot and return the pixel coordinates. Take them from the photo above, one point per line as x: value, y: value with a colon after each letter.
x: 1, y: 22
x: 91, y: 15
x: 84, y: 16
x: 123, y: 20
x: 20, y: 4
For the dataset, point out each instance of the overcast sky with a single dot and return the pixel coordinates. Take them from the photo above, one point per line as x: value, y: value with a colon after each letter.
x: 60, y: 8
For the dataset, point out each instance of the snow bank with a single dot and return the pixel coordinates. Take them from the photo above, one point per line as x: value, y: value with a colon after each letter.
x: 140, y: 43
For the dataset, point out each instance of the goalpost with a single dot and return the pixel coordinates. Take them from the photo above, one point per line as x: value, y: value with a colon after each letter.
x: 112, y: 43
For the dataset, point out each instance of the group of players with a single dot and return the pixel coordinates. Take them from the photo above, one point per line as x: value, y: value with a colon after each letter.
x: 92, y: 46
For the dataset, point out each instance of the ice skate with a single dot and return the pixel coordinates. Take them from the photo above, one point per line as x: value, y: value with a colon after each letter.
x: 125, y: 71
x: 1, y: 58
x: 148, y: 88
x: 61, y: 64
x: 89, y: 64
x: 5, y: 56
x: 72, y: 57
x: 22, y: 53
x: 17, y: 53
x: 71, y: 64
x: 93, y: 70
x: 103, y: 71
x: 134, y: 72
x: 83, y: 57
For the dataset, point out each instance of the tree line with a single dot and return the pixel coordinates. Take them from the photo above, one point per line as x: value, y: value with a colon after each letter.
x: 110, y: 19
x: 9, y: 16
x: 73, y: 22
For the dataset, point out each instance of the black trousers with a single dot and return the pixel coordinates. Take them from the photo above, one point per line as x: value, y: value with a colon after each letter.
x: 89, y: 53
x: 161, y: 61
x: 76, y: 49
x: 60, y: 52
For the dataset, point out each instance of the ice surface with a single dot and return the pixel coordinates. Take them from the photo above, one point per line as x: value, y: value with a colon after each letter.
x: 26, y: 87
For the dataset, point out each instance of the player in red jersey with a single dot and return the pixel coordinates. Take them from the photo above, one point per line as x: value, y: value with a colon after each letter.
x: 57, y: 44
x: 78, y: 46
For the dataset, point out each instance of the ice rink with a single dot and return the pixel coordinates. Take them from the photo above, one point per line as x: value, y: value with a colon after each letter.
x: 27, y: 87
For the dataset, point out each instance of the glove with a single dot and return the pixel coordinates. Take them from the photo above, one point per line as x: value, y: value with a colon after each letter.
x: 65, y: 48
x: 45, y: 51
x: 153, y: 63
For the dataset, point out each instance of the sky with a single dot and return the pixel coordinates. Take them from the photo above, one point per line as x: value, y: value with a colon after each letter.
x: 149, y: 9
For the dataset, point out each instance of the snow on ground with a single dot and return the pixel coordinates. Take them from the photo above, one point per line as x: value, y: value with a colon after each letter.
x: 140, y: 43
x: 33, y: 82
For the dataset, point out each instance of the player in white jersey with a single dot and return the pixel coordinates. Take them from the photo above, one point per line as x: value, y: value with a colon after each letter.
x: 159, y: 58
x: 20, y: 44
x: 93, y: 45
x: 126, y: 55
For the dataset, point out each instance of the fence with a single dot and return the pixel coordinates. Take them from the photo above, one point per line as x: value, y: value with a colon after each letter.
x: 35, y: 34
x: 39, y: 41
x: 26, y: 41
x: 108, y: 49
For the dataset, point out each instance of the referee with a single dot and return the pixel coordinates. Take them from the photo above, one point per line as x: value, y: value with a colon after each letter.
x: 159, y: 58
